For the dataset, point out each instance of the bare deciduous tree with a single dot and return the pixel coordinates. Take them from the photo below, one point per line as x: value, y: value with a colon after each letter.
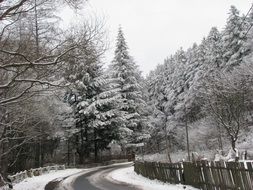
x: 227, y: 99
x: 33, y: 55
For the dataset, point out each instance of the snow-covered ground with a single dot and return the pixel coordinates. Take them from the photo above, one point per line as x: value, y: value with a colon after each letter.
x: 39, y: 182
x: 127, y: 175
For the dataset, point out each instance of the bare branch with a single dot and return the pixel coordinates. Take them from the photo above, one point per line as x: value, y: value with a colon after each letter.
x: 40, y: 82
x: 10, y: 10
x: 4, y: 101
x: 16, y: 54
x: 36, y: 62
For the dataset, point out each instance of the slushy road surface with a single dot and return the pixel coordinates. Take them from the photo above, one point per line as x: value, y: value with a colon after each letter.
x: 98, y: 180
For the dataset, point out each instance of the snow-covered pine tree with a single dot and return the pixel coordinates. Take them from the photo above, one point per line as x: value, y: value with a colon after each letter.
x: 248, y: 47
x: 194, y: 70
x: 124, y: 72
x: 214, y: 49
x: 96, y: 113
x: 98, y: 110
x: 80, y: 73
x: 180, y: 85
x: 93, y: 101
x: 233, y: 40
x: 155, y: 93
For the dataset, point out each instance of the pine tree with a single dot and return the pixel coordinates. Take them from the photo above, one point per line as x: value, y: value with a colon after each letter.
x: 82, y: 77
x: 98, y: 109
x: 125, y: 74
x: 93, y: 102
x: 233, y: 40
x: 248, y: 48
x: 96, y: 112
x: 214, y: 49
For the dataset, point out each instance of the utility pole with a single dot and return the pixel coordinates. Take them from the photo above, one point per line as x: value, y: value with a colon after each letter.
x: 166, y: 136
x: 219, y: 137
x: 187, y: 135
x: 167, y: 142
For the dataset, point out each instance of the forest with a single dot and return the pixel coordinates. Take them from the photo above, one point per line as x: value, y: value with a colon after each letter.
x: 59, y: 102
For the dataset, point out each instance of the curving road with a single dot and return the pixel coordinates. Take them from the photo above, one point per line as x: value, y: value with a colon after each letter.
x: 98, y: 180
x: 94, y: 180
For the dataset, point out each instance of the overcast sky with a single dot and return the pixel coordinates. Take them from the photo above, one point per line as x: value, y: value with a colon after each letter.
x: 155, y: 29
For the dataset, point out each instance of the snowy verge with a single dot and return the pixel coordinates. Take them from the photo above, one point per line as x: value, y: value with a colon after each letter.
x: 127, y: 175
x: 39, y: 182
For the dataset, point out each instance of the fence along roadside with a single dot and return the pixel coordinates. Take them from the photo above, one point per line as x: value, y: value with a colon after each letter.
x: 204, y: 175
x: 20, y: 176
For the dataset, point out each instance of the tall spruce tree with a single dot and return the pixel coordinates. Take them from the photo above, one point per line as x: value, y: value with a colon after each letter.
x: 126, y: 76
x: 233, y: 40
x: 92, y: 100
x: 96, y: 112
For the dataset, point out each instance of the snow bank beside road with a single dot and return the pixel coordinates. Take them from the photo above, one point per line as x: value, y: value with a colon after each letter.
x: 127, y: 175
x: 39, y: 182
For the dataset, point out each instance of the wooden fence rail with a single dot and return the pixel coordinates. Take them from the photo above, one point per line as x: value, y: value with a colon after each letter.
x: 203, y: 175
x: 34, y: 172
x: 20, y: 176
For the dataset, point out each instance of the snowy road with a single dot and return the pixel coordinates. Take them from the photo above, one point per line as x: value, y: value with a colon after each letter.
x: 97, y: 180
x: 113, y: 177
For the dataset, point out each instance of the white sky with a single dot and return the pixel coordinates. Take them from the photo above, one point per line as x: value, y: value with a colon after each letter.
x: 155, y: 29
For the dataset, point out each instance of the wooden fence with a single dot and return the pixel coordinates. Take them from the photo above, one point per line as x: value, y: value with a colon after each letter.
x: 203, y: 175
x: 20, y: 176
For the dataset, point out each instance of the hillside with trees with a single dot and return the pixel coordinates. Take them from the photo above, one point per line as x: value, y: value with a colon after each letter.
x: 202, y: 95
x: 60, y: 104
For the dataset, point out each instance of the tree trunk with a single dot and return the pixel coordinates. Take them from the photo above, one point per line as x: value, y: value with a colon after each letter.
x: 37, y: 155
x: 167, y: 142
x: 3, y: 159
x: 187, y: 140
x: 95, y: 146
x: 4, y: 162
x: 36, y: 29
x: 87, y: 150
x: 233, y: 141
x: 68, y: 145
x: 42, y: 157
x: 81, y: 151
x: 158, y: 146
x: 187, y: 134
x: 219, y: 137
x: 81, y: 156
